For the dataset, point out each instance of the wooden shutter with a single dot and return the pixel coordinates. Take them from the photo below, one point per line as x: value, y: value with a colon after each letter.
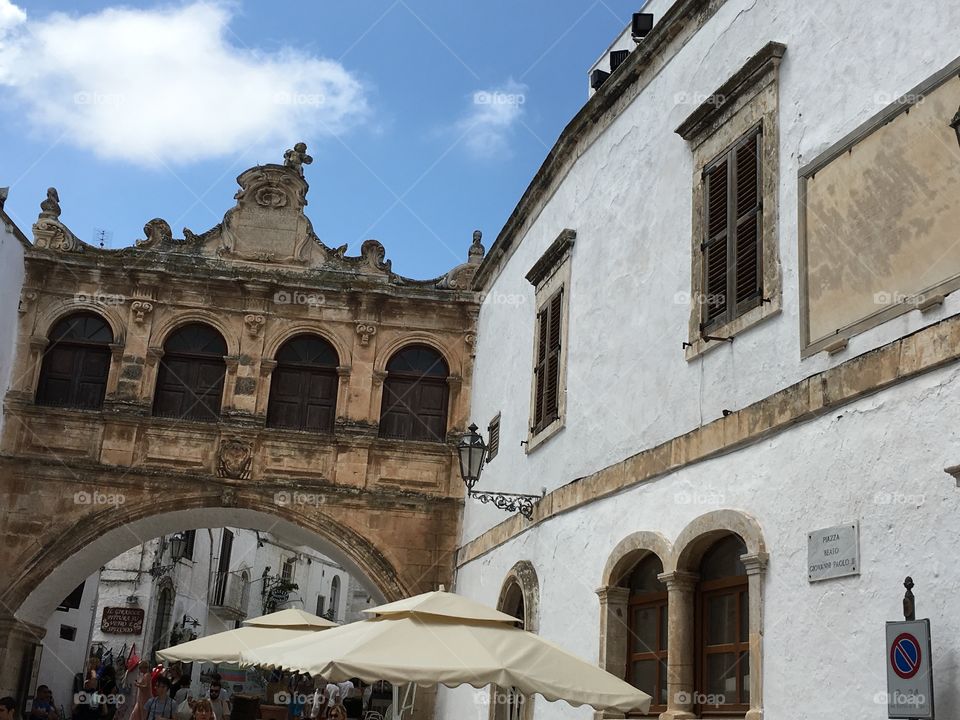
x: 547, y: 369
x: 748, y: 257
x: 493, y: 433
x: 732, y: 246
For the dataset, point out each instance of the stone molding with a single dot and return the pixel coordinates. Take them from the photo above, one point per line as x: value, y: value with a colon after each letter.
x: 906, y: 358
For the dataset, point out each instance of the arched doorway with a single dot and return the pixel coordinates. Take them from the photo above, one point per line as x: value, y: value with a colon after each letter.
x: 161, y: 624
x: 519, y: 597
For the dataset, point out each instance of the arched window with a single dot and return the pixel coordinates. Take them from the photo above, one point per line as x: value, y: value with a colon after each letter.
x: 335, y: 597
x: 723, y: 672
x: 415, y: 395
x: 647, y: 631
x: 190, y: 380
x: 76, y: 363
x: 303, y: 391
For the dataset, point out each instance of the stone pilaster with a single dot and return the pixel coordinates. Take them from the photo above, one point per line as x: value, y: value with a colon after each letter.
x: 680, y: 644
x: 756, y: 567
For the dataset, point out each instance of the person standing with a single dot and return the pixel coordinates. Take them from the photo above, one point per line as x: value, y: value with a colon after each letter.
x: 109, y: 690
x: 141, y: 692
x: 219, y: 704
x: 161, y: 706
x: 43, y: 707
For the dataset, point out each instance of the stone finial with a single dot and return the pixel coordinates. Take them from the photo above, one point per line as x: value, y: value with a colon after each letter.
x: 297, y: 157
x: 4, y: 194
x: 50, y: 208
x: 476, y: 252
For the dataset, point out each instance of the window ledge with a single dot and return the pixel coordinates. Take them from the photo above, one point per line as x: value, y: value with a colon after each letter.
x: 536, y: 440
x: 699, y: 346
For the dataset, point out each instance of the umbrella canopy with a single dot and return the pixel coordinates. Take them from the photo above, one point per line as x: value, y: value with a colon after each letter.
x: 226, y: 647
x: 423, y: 640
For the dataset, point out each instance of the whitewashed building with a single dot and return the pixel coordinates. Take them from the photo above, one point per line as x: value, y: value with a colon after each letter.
x: 720, y: 331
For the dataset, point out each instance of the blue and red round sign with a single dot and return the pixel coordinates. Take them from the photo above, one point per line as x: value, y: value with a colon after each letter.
x: 905, y: 655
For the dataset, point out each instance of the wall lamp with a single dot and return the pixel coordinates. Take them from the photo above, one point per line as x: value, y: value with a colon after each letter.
x: 472, y: 451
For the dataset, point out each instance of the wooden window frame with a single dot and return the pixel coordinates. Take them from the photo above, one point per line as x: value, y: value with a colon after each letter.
x: 660, y: 601
x: 80, y: 349
x: 736, y: 585
x: 304, y: 371
x: 729, y: 237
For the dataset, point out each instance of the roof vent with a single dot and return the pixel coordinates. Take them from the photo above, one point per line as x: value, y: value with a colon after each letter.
x: 641, y: 25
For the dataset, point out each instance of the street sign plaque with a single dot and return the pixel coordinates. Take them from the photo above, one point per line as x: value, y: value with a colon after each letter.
x: 833, y: 552
x: 909, y: 670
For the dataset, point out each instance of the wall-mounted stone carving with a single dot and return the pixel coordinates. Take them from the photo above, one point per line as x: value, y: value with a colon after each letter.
x: 141, y: 308
x: 366, y: 331
x: 254, y: 324
x: 157, y: 232
x: 234, y: 459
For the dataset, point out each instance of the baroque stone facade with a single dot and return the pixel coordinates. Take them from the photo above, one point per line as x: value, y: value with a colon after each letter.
x: 390, y: 508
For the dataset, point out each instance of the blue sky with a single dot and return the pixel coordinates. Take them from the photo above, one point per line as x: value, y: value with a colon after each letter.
x: 426, y: 118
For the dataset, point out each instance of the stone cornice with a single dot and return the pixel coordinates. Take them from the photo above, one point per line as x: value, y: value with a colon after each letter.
x: 743, y: 82
x: 555, y: 254
x: 925, y: 350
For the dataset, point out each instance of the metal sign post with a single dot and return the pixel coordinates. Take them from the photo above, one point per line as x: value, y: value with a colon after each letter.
x: 909, y: 664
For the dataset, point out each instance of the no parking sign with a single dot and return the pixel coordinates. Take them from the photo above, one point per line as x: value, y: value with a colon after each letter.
x: 909, y: 670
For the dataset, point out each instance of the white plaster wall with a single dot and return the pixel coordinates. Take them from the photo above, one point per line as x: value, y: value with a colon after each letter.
x: 11, y: 281
x: 879, y: 461
x: 62, y: 659
x: 629, y: 199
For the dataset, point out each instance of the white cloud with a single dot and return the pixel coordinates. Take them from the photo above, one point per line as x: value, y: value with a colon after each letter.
x: 168, y: 85
x: 492, y: 114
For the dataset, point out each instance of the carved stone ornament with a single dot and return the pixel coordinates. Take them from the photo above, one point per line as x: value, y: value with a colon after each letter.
x: 141, y: 308
x: 270, y: 197
x: 254, y: 324
x: 50, y: 207
x: 27, y: 298
x: 228, y: 498
x: 234, y: 459
x: 55, y: 235
x: 157, y: 232
x: 366, y: 331
x: 297, y: 157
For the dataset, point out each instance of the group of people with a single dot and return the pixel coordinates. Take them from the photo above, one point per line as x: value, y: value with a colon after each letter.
x: 319, y: 699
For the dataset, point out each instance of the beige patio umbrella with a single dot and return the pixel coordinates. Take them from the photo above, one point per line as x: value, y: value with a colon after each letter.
x: 443, y: 638
x: 226, y: 647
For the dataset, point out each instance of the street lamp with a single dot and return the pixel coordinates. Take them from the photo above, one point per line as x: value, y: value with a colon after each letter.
x: 955, y: 124
x: 178, y: 550
x: 472, y: 451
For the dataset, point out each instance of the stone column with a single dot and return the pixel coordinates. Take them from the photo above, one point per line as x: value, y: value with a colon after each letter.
x: 613, y: 636
x: 680, y: 645
x: 756, y: 566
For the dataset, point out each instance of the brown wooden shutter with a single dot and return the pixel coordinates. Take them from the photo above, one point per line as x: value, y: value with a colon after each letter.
x: 493, y: 432
x: 715, y: 266
x: 552, y: 391
x: 540, y: 369
x: 748, y: 258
